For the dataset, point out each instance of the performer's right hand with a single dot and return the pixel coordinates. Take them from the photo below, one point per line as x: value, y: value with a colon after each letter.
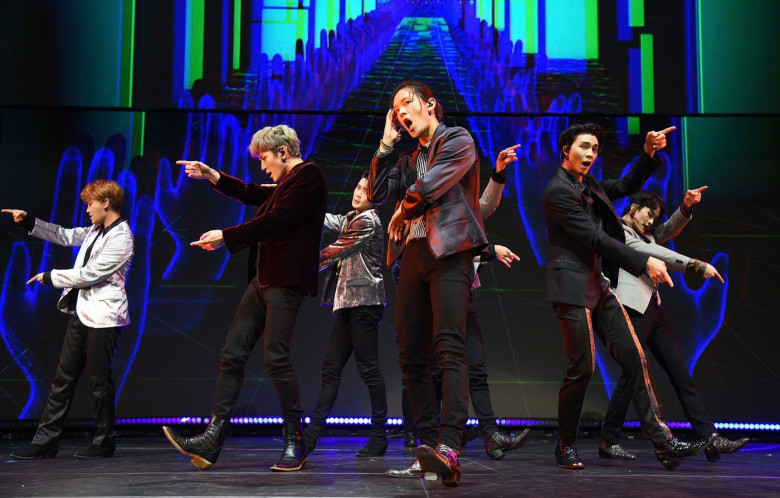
x: 391, y: 134
x: 198, y: 170
x: 18, y: 214
x: 656, y: 270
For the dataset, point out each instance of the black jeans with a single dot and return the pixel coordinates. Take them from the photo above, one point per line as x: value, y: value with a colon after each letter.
x: 655, y: 334
x: 479, y: 391
x: 609, y: 320
x: 432, y: 302
x: 270, y: 312
x: 354, y: 329
x: 94, y: 349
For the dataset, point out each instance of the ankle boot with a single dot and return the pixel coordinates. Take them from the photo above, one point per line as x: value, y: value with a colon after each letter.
x: 671, y: 451
x: 498, y: 443
x: 203, y: 448
x: 294, y: 453
x: 35, y: 451
x: 410, y: 440
x: 722, y: 445
x: 376, y: 445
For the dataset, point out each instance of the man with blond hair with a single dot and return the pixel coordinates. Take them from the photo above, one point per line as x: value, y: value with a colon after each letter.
x: 94, y: 293
x: 286, y: 232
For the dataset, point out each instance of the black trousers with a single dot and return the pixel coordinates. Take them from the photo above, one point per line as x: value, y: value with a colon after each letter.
x: 654, y: 333
x: 354, y: 329
x: 609, y: 320
x: 431, y: 312
x: 94, y: 349
x: 479, y: 391
x: 270, y: 312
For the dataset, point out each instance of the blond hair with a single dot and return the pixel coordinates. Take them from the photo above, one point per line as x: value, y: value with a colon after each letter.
x: 271, y: 138
x: 104, y: 189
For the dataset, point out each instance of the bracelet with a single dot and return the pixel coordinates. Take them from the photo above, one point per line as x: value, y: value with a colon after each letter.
x: 388, y: 148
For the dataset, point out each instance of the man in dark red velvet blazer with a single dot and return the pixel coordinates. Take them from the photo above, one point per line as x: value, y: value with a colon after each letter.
x: 286, y: 231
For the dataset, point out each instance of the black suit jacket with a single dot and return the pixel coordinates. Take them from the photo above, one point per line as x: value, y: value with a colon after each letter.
x: 448, y: 194
x: 286, y: 229
x: 573, y: 271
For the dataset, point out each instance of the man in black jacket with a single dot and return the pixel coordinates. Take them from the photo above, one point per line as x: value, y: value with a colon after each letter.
x: 583, y: 228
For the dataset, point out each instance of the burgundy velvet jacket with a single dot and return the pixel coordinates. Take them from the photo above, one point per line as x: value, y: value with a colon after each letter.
x: 286, y: 229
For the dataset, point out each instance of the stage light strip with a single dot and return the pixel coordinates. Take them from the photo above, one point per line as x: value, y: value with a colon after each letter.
x: 396, y: 421
x: 236, y: 34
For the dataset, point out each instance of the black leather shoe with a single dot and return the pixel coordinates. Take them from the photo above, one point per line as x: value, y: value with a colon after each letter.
x: 35, y: 451
x: 566, y: 456
x: 722, y: 445
x: 410, y: 440
x: 472, y: 433
x: 498, y: 443
x: 376, y: 446
x: 670, y: 452
x: 311, y: 434
x: 441, y: 460
x: 614, y: 451
x: 96, y: 451
x: 294, y: 454
x: 203, y: 448
x: 413, y: 470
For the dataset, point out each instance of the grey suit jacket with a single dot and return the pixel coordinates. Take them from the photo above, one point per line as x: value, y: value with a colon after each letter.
x: 100, y: 281
x: 635, y: 292
x: 359, y: 249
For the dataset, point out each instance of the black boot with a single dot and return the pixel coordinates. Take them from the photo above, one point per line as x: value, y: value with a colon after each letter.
x: 722, y: 445
x: 103, y: 450
x: 376, y: 445
x: 566, y: 456
x: 35, y: 451
x: 203, y: 448
x: 498, y: 443
x: 410, y: 440
x: 294, y: 453
x: 670, y: 452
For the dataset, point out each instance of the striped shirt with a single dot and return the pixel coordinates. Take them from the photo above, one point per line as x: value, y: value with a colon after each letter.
x: 417, y: 228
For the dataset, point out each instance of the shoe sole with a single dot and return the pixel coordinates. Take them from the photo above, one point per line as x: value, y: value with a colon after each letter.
x: 39, y: 457
x: 416, y: 475
x: 275, y: 468
x: 579, y: 466
x: 197, y: 460
x: 90, y: 457
x: 429, y: 462
x: 616, y: 457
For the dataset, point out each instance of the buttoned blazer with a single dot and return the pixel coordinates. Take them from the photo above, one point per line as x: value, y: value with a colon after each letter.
x: 100, y: 281
x: 287, y: 228
x: 359, y: 250
x: 447, y: 195
x: 636, y: 292
x: 573, y: 270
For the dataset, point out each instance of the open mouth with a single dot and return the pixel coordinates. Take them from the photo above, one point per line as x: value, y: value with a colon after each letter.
x: 407, y: 122
x: 586, y: 163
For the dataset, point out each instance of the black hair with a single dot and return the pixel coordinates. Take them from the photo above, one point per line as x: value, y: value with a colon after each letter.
x: 645, y: 198
x: 364, y: 175
x: 572, y: 132
x: 423, y: 91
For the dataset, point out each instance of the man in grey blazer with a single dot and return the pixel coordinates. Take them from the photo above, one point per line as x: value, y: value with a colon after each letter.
x: 94, y: 293
x: 639, y: 296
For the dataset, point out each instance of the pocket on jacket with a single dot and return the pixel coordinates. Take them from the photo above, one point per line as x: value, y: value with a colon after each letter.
x: 357, y: 281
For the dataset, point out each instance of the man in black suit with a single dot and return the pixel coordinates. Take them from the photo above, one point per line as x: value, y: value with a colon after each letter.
x: 436, y: 189
x: 586, y: 251
x: 286, y: 231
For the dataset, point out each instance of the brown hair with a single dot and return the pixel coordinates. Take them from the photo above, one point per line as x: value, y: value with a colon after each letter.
x: 104, y: 189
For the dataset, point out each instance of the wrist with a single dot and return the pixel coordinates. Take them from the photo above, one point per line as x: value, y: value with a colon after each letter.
x: 499, y: 176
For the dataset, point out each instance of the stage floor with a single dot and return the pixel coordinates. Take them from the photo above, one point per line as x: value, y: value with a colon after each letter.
x: 151, y: 467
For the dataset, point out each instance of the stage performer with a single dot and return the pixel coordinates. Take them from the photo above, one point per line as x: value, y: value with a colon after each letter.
x: 94, y: 294
x: 286, y: 231
x: 355, y: 287
x: 437, y: 187
x: 586, y: 249
x: 639, y: 296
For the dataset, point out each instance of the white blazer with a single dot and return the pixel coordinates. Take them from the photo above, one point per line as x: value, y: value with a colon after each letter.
x: 635, y: 292
x: 100, y: 282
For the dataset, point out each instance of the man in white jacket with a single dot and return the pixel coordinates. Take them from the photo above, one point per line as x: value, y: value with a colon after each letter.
x: 94, y: 293
x: 639, y: 296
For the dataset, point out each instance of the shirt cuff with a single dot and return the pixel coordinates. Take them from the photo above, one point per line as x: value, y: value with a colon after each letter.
x: 47, y: 278
x: 28, y: 222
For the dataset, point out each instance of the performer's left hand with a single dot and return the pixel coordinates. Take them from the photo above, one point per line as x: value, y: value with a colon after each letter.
x: 506, y: 256
x: 210, y: 240
x: 38, y: 277
x: 693, y: 196
x: 505, y: 157
x: 656, y: 140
